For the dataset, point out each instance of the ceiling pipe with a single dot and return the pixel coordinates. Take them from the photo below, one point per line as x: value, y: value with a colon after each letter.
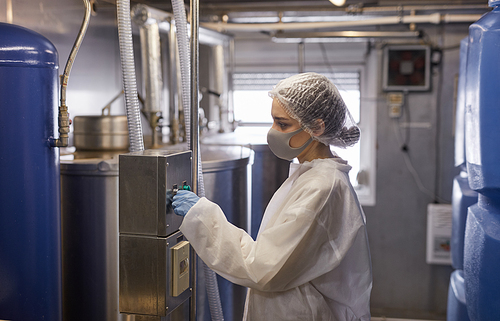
x: 457, y: 18
x: 434, y: 18
x: 410, y: 8
x: 347, y: 34
x: 241, y: 7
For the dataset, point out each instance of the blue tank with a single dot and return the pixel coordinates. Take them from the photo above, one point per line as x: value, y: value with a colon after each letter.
x: 482, y: 112
x: 463, y: 197
x: 482, y: 233
x: 482, y: 260
x: 30, y: 237
x: 457, y: 308
x: 460, y: 113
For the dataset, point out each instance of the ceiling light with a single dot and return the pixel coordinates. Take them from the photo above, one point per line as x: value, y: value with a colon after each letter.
x: 338, y: 3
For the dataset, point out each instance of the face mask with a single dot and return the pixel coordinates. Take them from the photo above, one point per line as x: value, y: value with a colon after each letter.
x: 279, y: 143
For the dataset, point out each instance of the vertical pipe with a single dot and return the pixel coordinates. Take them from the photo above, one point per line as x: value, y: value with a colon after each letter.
x: 151, y: 67
x: 8, y: 11
x: 219, y: 86
x: 184, y: 63
x: 148, y: 20
x: 128, y: 75
x: 194, y: 44
x: 151, y: 75
x: 230, y: 102
x: 194, y: 137
x: 172, y: 84
x: 301, y: 57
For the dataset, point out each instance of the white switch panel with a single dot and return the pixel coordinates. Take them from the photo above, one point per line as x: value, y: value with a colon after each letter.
x: 180, y: 267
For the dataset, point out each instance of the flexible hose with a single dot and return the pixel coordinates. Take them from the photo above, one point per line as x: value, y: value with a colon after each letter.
x: 184, y: 54
x: 134, y: 115
x: 183, y: 47
x: 74, y: 51
x: 128, y: 76
x: 63, y: 121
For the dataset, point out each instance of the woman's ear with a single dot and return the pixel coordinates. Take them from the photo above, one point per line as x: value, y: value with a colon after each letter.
x: 319, y: 128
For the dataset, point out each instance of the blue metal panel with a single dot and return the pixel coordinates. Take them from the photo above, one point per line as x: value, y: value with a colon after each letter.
x: 482, y: 112
x: 30, y: 236
x: 460, y: 160
x: 482, y: 233
x: 482, y: 260
x: 463, y: 197
x: 457, y: 309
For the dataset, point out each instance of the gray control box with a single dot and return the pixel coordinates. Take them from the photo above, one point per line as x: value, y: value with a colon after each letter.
x: 154, y: 255
x: 148, y: 275
x: 145, y: 177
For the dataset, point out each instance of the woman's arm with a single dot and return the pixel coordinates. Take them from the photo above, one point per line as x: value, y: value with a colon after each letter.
x: 295, y: 248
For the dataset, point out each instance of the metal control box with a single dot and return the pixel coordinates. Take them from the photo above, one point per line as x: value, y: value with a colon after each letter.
x: 154, y: 255
x: 145, y: 177
x: 146, y: 278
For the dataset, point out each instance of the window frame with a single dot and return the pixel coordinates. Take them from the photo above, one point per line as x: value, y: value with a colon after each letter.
x: 368, y: 127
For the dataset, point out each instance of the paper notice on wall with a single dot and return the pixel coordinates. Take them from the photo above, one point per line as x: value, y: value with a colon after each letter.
x: 439, y: 221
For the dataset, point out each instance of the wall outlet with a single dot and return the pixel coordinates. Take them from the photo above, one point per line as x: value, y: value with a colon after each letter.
x: 395, y: 102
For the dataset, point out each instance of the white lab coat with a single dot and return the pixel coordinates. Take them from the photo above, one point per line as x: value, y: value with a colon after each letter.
x: 311, y: 259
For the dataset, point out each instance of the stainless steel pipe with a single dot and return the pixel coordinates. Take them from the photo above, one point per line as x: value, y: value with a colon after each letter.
x: 194, y: 137
x: 195, y: 51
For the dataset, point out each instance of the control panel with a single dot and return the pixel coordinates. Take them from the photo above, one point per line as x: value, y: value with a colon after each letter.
x: 154, y: 255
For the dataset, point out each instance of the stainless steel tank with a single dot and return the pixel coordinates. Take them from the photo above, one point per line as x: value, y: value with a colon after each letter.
x: 227, y: 179
x: 90, y: 229
x: 268, y: 171
x: 226, y: 176
x: 89, y: 209
x: 103, y: 132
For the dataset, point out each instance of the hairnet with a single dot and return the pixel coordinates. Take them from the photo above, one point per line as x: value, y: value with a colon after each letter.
x: 310, y: 98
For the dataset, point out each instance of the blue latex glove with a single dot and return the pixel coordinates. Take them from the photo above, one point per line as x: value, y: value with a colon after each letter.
x: 169, y: 198
x: 183, y: 201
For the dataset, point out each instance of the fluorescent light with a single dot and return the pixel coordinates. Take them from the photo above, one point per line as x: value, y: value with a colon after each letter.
x: 338, y: 3
x: 317, y: 40
x: 349, y: 34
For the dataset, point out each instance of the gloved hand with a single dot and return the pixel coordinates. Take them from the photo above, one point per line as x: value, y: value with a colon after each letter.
x: 169, y: 198
x: 183, y: 201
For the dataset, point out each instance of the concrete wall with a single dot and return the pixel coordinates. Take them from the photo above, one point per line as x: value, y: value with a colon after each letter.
x: 404, y: 285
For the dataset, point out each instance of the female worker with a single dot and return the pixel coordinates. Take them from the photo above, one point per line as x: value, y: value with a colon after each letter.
x: 310, y: 260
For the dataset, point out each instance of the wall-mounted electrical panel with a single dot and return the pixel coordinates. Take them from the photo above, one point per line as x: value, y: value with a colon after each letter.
x: 407, y: 68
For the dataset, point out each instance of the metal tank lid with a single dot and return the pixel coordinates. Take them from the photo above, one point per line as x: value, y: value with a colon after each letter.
x: 90, y: 166
x: 214, y: 158
x: 254, y: 138
x: 21, y: 47
x: 218, y: 156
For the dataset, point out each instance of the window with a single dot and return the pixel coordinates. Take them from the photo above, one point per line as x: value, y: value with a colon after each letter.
x: 252, y: 108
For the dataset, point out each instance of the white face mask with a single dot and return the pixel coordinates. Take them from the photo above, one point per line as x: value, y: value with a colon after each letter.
x: 279, y: 143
